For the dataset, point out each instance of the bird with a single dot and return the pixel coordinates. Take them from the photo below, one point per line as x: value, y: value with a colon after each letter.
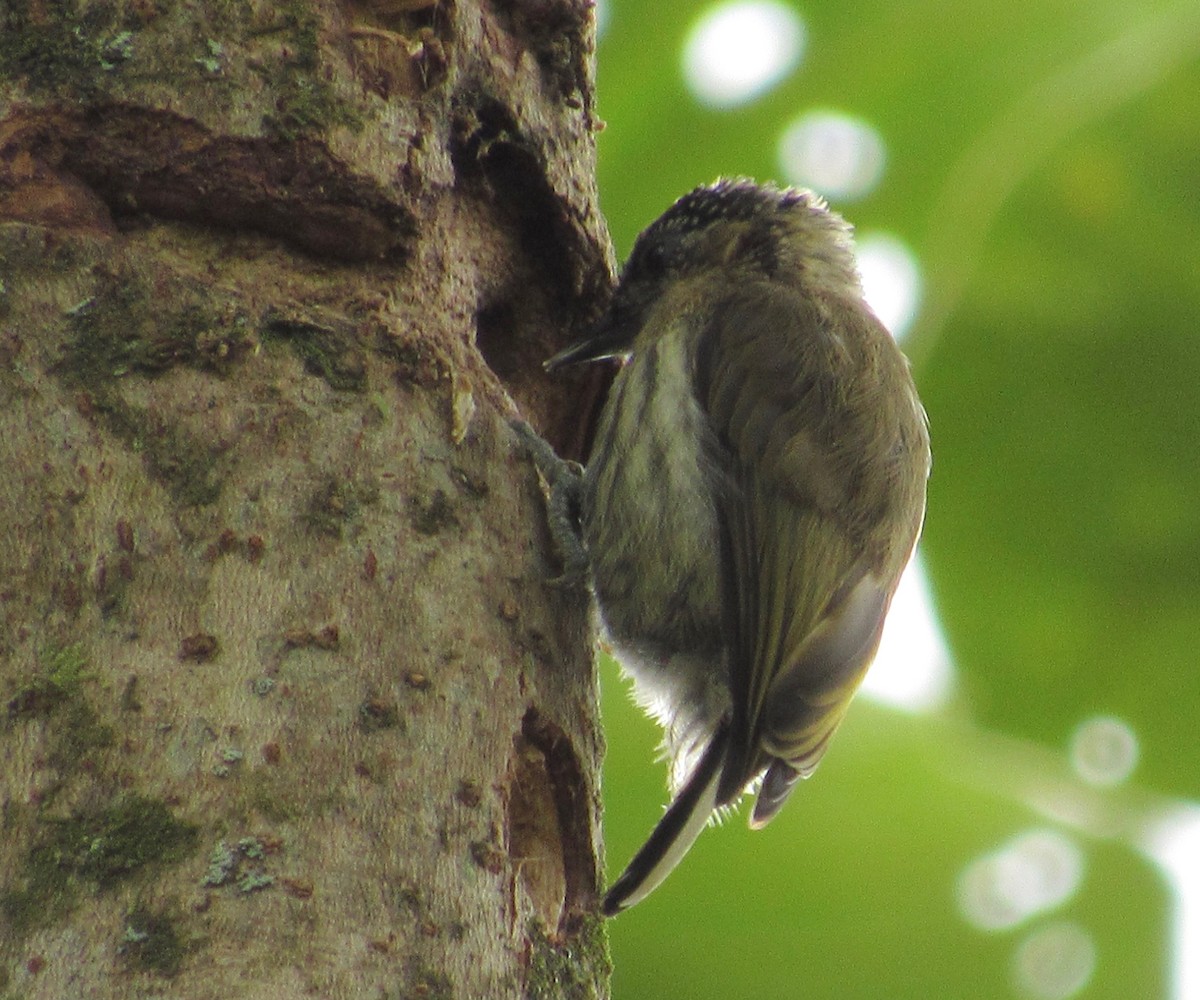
x: 755, y: 488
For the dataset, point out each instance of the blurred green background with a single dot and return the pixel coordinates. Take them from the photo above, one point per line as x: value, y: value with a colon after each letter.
x: 1024, y: 819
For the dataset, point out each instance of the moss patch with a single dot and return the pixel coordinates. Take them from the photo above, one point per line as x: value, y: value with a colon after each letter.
x: 74, y: 730
x: 577, y: 969
x: 327, y: 352
x: 76, y: 735
x: 63, y: 668
x: 151, y: 943
x: 307, y: 103
x: 112, y: 843
x: 99, y: 848
x: 63, y: 50
x: 183, y: 464
x: 123, y: 330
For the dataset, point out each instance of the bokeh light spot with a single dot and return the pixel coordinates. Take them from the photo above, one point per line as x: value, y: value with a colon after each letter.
x: 1034, y: 872
x: 736, y: 51
x: 1104, y: 751
x: 891, y: 280
x: 840, y: 156
x: 1173, y: 841
x: 1054, y: 962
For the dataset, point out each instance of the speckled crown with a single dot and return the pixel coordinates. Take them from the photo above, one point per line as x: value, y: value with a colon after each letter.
x: 732, y: 199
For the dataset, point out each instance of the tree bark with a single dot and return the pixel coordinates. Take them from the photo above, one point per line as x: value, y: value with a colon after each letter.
x: 288, y: 707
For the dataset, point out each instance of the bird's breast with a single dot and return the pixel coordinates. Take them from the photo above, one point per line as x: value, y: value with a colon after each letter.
x: 650, y: 514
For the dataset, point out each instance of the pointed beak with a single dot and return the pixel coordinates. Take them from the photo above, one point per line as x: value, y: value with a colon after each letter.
x: 609, y: 338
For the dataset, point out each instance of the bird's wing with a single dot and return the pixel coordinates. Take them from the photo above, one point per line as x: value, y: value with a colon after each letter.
x: 803, y: 603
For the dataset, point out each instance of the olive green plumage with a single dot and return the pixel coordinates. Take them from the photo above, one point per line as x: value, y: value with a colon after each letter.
x: 755, y: 489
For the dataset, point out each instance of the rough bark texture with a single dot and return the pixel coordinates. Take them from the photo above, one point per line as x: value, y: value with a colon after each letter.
x: 286, y: 705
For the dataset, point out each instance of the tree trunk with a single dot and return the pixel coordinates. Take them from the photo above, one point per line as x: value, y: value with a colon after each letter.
x: 288, y: 707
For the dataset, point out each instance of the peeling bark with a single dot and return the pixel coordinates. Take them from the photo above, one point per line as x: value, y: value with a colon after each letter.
x: 288, y: 706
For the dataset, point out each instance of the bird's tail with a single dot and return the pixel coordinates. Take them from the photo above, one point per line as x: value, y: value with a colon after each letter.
x: 675, y: 832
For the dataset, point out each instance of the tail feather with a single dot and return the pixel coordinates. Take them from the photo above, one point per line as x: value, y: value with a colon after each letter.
x: 777, y: 785
x: 675, y: 833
